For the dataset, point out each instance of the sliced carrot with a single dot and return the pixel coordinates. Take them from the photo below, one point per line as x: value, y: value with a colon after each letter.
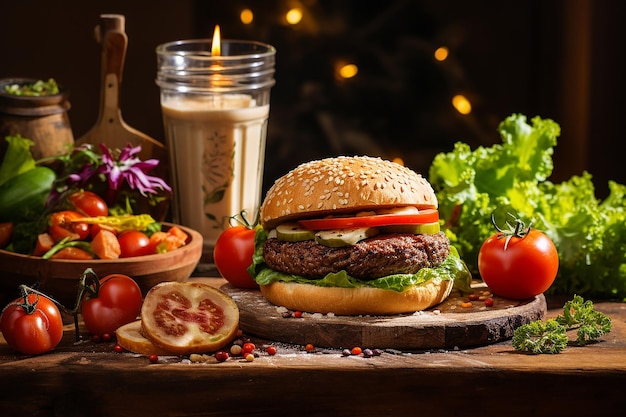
x: 105, y: 245
x: 179, y: 234
x: 44, y: 244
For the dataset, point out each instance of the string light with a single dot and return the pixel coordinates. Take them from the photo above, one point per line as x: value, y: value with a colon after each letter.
x: 462, y: 104
x: 246, y: 16
x: 441, y: 53
x: 293, y: 16
x: 348, y: 71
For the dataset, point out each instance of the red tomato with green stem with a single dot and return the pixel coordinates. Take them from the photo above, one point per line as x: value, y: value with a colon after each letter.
x: 109, y: 303
x: 134, y: 243
x: 89, y: 203
x: 233, y: 255
x: 519, y: 263
x: 32, y: 324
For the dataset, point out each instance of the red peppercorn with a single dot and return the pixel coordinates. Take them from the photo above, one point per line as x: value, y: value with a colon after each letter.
x: 154, y: 358
x: 118, y: 348
x: 489, y: 302
x: 271, y: 350
x: 356, y: 350
x: 221, y: 356
x: 309, y: 348
x: 297, y: 314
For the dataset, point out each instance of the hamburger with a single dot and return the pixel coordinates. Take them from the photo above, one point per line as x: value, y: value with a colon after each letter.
x: 354, y: 235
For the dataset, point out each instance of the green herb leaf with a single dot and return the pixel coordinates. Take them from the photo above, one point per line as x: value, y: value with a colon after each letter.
x: 540, y: 337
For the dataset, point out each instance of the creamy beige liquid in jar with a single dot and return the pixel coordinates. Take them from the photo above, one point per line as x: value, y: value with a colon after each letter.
x: 215, y: 114
x: 217, y: 170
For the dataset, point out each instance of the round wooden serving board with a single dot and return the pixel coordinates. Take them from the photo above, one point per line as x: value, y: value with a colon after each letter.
x: 446, y: 326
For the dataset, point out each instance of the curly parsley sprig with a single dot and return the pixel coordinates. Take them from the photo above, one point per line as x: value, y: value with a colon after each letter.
x: 580, y: 314
x: 551, y: 336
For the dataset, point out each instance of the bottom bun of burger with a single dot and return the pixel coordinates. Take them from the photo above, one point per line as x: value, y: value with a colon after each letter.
x: 355, y: 301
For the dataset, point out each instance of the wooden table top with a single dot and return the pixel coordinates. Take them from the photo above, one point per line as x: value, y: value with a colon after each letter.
x: 91, y: 379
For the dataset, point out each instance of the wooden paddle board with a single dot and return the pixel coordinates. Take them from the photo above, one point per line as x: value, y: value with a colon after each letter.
x: 110, y: 128
x: 449, y: 325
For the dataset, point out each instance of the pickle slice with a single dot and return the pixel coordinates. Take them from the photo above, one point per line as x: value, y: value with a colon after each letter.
x: 336, y: 238
x: 415, y: 229
x: 292, y: 232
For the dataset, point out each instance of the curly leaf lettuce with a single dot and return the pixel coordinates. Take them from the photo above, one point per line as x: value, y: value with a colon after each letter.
x: 514, y: 176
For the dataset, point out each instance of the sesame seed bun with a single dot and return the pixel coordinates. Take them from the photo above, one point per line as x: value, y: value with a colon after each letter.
x: 342, y: 185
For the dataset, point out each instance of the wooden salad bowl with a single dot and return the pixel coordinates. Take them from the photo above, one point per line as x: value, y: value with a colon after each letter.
x: 59, y: 278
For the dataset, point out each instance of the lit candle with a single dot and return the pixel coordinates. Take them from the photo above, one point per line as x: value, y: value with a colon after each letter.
x: 216, y: 124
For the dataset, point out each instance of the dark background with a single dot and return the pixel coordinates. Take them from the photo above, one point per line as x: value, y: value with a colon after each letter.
x: 559, y: 59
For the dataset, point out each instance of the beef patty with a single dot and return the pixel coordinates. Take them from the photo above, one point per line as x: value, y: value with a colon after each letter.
x: 371, y: 258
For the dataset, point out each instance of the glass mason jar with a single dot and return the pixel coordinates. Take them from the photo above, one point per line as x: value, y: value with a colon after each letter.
x: 215, y: 113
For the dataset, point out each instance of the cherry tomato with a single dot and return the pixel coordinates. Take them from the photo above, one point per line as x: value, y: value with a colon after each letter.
x: 233, y: 255
x: 134, y: 243
x: 6, y: 231
x: 115, y: 301
x: 72, y: 253
x: 89, y: 204
x: 32, y: 325
x: 63, y: 225
x: 527, y: 267
x: 422, y: 217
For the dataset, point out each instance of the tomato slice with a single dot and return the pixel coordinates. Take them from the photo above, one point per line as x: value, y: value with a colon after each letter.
x: 189, y: 317
x: 424, y: 216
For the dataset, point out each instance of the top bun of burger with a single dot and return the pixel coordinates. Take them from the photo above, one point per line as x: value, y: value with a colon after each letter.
x: 343, y: 184
x: 388, y: 269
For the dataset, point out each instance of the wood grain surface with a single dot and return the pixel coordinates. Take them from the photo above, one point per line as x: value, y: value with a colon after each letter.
x: 90, y: 379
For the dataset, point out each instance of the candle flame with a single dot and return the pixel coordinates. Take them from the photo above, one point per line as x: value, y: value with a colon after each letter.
x: 216, y: 45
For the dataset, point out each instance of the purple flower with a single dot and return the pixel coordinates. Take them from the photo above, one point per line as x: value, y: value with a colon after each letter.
x: 131, y: 169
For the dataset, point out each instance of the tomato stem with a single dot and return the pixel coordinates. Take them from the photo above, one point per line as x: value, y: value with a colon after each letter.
x: 518, y: 229
x: 27, y: 306
x: 242, y: 219
x: 83, y: 288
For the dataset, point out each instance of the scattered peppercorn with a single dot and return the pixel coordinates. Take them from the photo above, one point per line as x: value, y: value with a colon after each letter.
x: 297, y: 314
x: 221, y: 356
x: 118, y: 348
x: 154, y: 358
x: 356, y: 350
x: 309, y: 348
x: 249, y: 357
x: 235, y: 350
x: 489, y: 302
x: 271, y: 350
